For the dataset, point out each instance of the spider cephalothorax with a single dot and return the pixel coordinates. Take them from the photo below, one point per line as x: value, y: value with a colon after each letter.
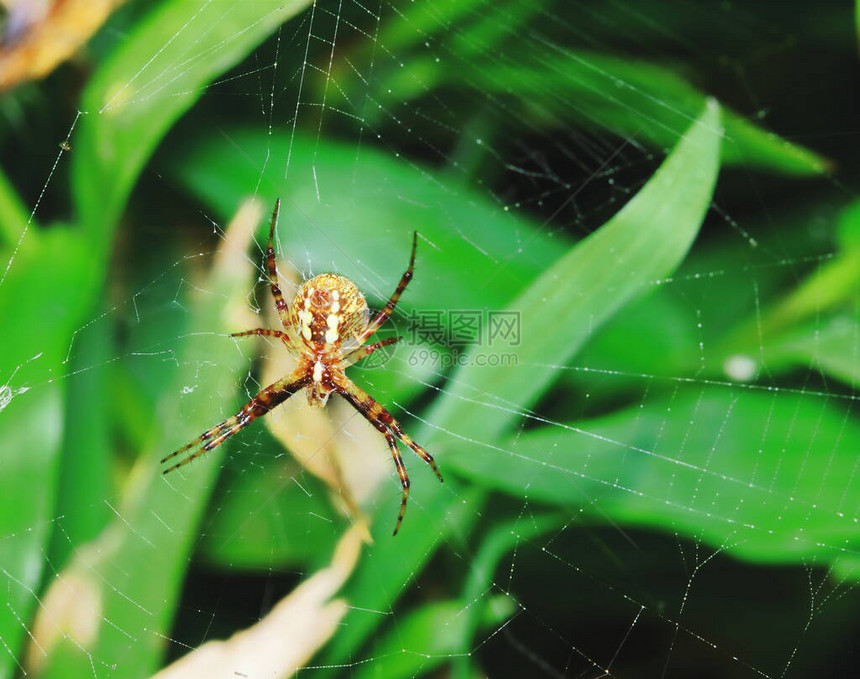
x: 325, y: 327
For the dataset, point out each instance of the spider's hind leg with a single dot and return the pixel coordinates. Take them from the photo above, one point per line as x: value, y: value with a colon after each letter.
x: 380, y: 418
x: 262, y: 403
x: 423, y: 454
x: 404, y: 477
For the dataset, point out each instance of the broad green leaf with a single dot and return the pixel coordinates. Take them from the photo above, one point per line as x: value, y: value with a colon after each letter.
x: 158, y: 71
x: 857, y: 16
x: 814, y: 324
x: 156, y: 74
x: 768, y: 475
x: 633, y: 99
x: 548, y: 86
x: 85, y: 462
x: 13, y: 215
x: 346, y: 211
x: 31, y: 431
x: 270, y: 517
x: 27, y: 287
x: 35, y: 345
x: 831, y: 345
x: 480, y: 580
x: 428, y: 637
x: 134, y: 569
x: 644, y: 241
x: 436, y: 513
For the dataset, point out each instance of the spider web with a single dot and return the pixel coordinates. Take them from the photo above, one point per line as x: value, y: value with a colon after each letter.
x: 615, y: 537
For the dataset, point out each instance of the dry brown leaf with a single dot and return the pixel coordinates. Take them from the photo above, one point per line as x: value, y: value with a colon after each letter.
x: 232, y: 255
x: 43, y: 33
x: 70, y: 610
x: 287, y: 637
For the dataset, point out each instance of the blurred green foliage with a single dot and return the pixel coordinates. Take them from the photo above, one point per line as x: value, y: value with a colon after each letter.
x: 698, y: 385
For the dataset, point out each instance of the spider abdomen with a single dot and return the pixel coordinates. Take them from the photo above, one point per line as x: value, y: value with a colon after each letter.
x: 329, y: 314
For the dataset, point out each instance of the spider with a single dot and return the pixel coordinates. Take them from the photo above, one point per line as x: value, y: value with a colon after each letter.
x: 325, y: 327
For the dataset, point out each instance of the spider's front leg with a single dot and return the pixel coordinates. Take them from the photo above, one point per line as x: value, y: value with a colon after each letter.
x: 268, y: 398
x: 383, y: 315
x: 380, y: 418
x: 272, y: 270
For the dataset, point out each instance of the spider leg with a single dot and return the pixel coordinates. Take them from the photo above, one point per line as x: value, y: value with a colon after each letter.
x: 280, y: 304
x: 404, y: 477
x: 362, y: 352
x: 380, y: 418
x: 261, y: 331
x: 268, y: 398
x: 383, y: 315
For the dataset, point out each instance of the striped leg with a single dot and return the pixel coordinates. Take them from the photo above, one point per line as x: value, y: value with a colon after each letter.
x: 262, y: 403
x: 423, y: 454
x: 365, y: 351
x: 265, y: 332
x: 404, y: 477
x: 383, y: 315
x: 280, y: 304
x: 380, y: 418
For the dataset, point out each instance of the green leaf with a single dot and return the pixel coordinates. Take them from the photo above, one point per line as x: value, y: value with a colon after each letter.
x: 270, y: 517
x: 632, y: 98
x: 548, y: 85
x: 770, y: 476
x: 831, y: 345
x: 427, y: 637
x: 393, y: 562
x: 815, y: 323
x: 26, y: 508
x: 134, y: 569
x: 158, y: 71
x: 13, y: 214
x: 31, y: 409
x: 481, y: 578
x: 346, y: 212
x: 85, y: 461
x: 610, y: 365
x: 646, y: 240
